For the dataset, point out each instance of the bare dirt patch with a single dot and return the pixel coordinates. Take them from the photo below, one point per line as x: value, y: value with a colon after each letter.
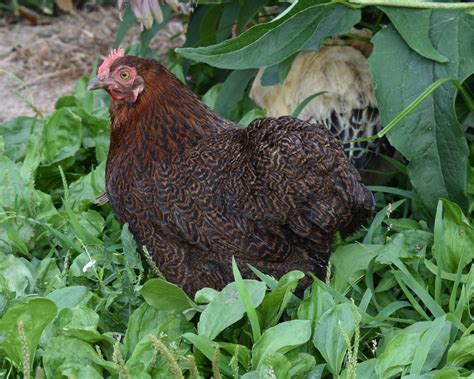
x: 40, y: 63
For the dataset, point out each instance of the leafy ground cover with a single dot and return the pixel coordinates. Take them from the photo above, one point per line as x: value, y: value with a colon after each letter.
x: 78, y: 300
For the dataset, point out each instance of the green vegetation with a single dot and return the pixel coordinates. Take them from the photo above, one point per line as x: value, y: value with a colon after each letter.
x: 76, y: 300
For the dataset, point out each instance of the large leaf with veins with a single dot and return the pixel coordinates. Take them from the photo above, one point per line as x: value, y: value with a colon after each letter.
x: 430, y: 137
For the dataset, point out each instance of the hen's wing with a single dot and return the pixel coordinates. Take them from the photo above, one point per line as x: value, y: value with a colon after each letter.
x: 290, y: 173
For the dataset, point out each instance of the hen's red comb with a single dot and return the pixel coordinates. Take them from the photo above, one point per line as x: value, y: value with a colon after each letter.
x: 105, y: 66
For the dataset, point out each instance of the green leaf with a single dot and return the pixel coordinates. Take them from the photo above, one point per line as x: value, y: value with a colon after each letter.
x: 166, y: 296
x: 365, y: 369
x: 462, y: 351
x: 277, y: 73
x: 402, y: 346
x: 430, y: 338
x: 350, y: 264
x: 275, y: 365
x: 84, y: 191
x: 448, y: 373
x: 205, y: 295
x: 15, y: 274
x: 277, y: 300
x: 414, y: 26
x: 128, y: 20
x: 64, y: 355
x: 304, y: 25
x: 22, y: 325
x: 70, y: 297
x: 63, y: 135
x: 250, y: 116
x: 207, y: 347
x: 430, y: 137
x: 167, y: 327
x: 227, y: 308
x: 16, y: 133
x: 301, y: 364
x: 457, y: 239
x: 244, y: 295
x: 280, y: 338
x: 305, y: 102
x: 316, y: 303
x: 81, y: 322
x: 140, y: 324
x: 328, y: 338
x: 232, y: 90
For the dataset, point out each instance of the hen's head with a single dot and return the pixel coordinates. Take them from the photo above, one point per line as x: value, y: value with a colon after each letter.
x: 120, y: 77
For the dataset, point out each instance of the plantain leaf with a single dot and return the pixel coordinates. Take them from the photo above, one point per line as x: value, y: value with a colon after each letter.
x: 21, y: 327
x: 166, y: 296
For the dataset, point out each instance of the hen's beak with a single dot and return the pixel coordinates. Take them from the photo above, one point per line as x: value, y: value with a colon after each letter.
x: 96, y: 83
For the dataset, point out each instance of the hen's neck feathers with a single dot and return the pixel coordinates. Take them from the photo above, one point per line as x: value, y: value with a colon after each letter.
x: 166, y: 118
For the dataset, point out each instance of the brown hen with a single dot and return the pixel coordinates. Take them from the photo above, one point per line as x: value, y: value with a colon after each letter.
x: 197, y: 189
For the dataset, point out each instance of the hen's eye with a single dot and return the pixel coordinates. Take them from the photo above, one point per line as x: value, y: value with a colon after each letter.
x: 124, y: 75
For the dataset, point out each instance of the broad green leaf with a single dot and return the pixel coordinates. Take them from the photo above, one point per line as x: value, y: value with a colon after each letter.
x: 402, y: 346
x: 207, y: 347
x: 81, y: 322
x: 211, y: 96
x: 23, y: 324
x: 365, y: 369
x: 316, y: 303
x: 63, y: 355
x: 430, y: 137
x: 241, y: 352
x: 458, y: 239
x: 166, y: 296
x: 15, y: 274
x: 350, y: 263
x: 280, y: 338
x: 462, y: 351
x: 70, y: 297
x: 169, y: 328
x: 275, y: 365
x: 250, y: 116
x: 277, y: 73
x: 232, y: 90
x: 328, y: 337
x: 301, y: 363
x: 448, y: 373
x: 78, y: 370
x: 84, y: 191
x: 16, y: 133
x: 227, y: 308
x: 140, y: 324
x: 422, y: 359
x: 414, y: 26
x: 277, y: 300
x: 205, y: 295
x: 63, y: 135
x: 304, y: 25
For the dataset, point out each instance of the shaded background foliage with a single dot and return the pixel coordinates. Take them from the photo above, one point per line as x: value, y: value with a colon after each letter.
x: 399, y: 300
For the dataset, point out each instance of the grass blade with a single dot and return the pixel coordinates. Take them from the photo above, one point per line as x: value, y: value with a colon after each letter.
x: 305, y: 102
x: 424, y: 347
x: 410, y: 108
x: 251, y: 313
